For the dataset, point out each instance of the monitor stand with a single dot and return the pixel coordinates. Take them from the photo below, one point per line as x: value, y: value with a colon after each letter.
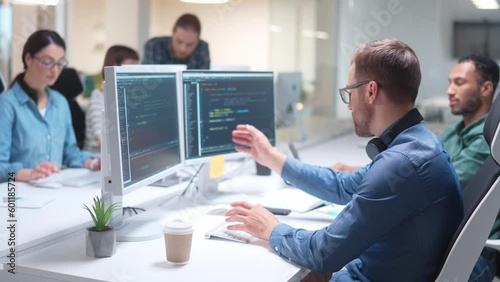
x: 208, y: 190
x: 170, y: 180
x: 127, y: 230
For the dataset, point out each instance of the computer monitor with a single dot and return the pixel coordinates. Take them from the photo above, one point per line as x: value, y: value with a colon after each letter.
x: 141, y: 136
x: 214, y: 103
x: 3, y: 86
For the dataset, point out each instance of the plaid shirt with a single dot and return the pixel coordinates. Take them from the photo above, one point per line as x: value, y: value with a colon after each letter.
x: 158, y: 50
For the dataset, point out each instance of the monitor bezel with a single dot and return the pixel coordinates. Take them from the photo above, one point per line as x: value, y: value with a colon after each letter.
x: 234, y: 155
x: 115, y: 176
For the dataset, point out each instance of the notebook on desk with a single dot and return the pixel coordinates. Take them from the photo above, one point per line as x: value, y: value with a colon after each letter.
x: 291, y: 198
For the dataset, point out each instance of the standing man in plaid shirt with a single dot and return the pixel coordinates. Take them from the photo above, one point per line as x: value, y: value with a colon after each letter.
x: 183, y: 47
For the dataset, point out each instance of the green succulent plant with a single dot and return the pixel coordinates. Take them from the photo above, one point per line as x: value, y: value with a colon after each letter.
x: 101, y: 215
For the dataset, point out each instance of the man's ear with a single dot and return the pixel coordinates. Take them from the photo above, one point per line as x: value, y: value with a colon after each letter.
x: 372, y: 92
x: 486, y: 89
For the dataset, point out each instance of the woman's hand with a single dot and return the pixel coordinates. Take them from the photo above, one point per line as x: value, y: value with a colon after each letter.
x: 42, y: 170
x: 93, y: 164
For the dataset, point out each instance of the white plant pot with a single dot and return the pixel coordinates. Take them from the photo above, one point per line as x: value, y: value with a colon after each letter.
x: 100, y: 244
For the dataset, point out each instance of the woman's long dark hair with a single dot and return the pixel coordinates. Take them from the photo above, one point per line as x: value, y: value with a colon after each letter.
x: 36, y: 42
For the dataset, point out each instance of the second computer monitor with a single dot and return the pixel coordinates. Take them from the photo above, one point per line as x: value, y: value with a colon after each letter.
x: 215, y: 102
x: 142, y: 139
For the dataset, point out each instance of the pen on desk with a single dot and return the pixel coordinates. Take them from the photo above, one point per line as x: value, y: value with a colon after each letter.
x: 277, y: 211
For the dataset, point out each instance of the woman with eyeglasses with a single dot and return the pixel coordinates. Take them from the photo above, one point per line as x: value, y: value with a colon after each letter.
x: 36, y: 134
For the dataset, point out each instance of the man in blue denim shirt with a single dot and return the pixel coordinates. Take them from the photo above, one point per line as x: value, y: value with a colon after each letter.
x: 401, y: 210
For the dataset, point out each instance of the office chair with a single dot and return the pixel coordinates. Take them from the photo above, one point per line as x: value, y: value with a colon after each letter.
x: 3, y: 85
x: 481, y: 205
x: 70, y: 85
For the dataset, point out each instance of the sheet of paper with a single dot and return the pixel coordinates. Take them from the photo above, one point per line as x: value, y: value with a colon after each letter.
x: 216, y: 166
x: 27, y: 202
x: 291, y: 198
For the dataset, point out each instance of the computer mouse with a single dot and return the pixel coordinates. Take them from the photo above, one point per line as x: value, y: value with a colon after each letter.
x: 218, y: 211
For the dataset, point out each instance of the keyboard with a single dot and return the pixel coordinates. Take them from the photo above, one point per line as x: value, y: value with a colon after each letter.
x: 74, y: 177
x: 221, y: 232
x: 80, y: 177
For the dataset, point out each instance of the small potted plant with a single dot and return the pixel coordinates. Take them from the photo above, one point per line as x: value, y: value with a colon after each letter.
x: 101, y: 238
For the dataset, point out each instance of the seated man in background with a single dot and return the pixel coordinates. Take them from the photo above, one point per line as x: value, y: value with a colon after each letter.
x: 183, y: 47
x: 472, y: 83
x: 401, y: 210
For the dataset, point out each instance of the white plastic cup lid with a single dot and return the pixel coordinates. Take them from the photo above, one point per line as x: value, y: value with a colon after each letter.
x: 178, y: 227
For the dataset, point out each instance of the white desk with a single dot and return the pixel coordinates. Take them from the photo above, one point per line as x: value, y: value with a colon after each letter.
x: 36, y: 228
x: 211, y: 260
x: 347, y: 148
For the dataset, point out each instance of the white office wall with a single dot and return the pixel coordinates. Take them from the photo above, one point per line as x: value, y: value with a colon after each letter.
x: 296, y: 47
x: 284, y: 35
x: 25, y: 21
x: 5, y: 40
x: 122, y: 23
x: 237, y: 32
x: 306, y: 61
x: 97, y: 25
x: 88, y: 35
x: 425, y: 25
x: 323, y: 102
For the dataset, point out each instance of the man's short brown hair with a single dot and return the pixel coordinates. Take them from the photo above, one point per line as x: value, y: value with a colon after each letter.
x: 188, y: 21
x: 393, y: 65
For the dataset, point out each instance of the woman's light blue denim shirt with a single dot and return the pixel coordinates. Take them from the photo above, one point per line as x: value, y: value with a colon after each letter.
x: 27, y: 138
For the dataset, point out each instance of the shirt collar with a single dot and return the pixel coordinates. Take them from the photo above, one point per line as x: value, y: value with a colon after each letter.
x: 473, y: 127
x: 23, y: 98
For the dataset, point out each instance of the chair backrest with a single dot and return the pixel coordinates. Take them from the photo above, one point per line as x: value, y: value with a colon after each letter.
x: 481, y: 204
x: 70, y: 85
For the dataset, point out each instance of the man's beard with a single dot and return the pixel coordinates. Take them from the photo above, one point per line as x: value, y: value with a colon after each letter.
x: 469, y: 105
x: 362, y: 120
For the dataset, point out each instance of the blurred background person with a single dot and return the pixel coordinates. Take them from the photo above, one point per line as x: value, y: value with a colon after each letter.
x: 116, y: 55
x: 183, y: 47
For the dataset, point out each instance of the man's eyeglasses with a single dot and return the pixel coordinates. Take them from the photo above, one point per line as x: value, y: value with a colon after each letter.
x: 345, y: 94
x: 49, y: 63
